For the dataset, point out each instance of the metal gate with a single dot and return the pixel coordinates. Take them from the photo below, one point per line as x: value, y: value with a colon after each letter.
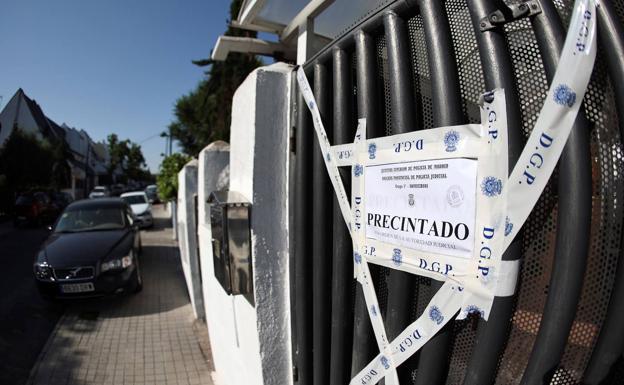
x: 418, y: 64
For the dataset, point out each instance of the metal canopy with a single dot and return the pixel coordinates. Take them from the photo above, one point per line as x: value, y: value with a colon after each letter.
x: 317, y: 21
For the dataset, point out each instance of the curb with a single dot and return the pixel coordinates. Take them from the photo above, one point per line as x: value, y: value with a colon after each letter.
x: 45, y: 349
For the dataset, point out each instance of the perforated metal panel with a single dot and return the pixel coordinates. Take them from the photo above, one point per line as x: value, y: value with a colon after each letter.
x: 540, y: 230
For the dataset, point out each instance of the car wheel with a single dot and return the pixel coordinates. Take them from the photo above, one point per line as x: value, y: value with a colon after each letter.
x: 138, y: 280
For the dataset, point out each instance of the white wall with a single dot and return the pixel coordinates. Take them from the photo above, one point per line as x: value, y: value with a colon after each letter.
x: 187, y: 235
x: 251, y: 345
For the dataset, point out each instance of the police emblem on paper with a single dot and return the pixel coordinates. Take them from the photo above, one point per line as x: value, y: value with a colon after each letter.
x: 455, y: 196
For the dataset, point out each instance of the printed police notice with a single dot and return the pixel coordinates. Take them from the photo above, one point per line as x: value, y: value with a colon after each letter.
x: 424, y: 205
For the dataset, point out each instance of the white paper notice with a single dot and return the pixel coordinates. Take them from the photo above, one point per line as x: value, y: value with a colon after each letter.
x: 424, y: 205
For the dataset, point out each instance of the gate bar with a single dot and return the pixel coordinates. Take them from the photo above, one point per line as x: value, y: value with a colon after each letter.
x: 400, y: 283
x: 364, y: 345
x: 368, y: 24
x: 303, y: 245
x: 573, y: 219
x: 321, y: 237
x: 498, y: 73
x: 447, y: 111
x: 610, y: 341
x: 342, y: 265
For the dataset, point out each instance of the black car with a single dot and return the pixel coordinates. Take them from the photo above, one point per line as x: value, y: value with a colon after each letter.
x: 93, y: 250
x: 61, y: 199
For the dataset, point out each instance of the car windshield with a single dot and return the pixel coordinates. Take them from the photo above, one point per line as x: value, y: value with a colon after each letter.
x: 93, y: 219
x: 134, y: 199
x: 99, y: 189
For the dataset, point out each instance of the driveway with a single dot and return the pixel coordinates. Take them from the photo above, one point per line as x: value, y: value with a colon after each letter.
x: 145, y: 338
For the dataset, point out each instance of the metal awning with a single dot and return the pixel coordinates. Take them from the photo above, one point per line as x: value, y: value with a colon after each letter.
x: 284, y: 18
x: 301, y: 27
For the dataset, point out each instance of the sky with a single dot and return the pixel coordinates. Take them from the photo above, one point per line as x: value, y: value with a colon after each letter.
x: 113, y: 66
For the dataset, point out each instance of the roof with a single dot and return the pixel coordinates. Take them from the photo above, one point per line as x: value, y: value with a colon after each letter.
x: 99, y: 203
x: 58, y: 130
x: 39, y: 116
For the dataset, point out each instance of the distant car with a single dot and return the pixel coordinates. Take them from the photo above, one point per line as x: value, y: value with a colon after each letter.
x: 99, y: 192
x: 34, y: 208
x: 61, y: 199
x: 117, y: 189
x: 140, y: 206
x: 93, y: 250
x: 152, y: 193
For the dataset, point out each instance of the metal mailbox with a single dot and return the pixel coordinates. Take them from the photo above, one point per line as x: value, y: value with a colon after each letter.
x: 231, y: 242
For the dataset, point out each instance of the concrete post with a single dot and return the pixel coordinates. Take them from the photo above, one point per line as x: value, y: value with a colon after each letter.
x: 251, y: 344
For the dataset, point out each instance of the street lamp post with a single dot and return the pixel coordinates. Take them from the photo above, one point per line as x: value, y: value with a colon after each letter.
x: 168, y: 142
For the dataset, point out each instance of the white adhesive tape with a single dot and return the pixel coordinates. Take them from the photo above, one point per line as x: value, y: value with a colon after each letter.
x: 556, y: 119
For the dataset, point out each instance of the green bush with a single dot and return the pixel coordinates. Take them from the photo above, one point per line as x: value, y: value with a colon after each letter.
x: 167, y: 179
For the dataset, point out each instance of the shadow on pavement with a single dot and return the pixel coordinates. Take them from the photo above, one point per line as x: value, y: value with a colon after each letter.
x: 164, y: 289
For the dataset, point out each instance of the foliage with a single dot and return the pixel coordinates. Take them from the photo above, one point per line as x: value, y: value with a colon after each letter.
x: 167, y: 179
x: 27, y: 163
x: 203, y: 115
x: 128, y: 157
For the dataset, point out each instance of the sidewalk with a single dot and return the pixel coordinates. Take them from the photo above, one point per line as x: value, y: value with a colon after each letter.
x: 146, y: 338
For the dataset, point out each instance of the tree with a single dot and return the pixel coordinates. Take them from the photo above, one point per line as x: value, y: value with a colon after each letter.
x: 28, y: 163
x: 128, y: 157
x: 204, y: 115
x: 25, y: 161
x: 118, y: 150
x: 167, y: 179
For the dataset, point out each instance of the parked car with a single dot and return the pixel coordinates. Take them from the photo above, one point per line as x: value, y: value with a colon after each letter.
x: 99, y: 192
x: 117, y: 189
x: 93, y: 250
x: 61, y: 199
x: 34, y: 208
x: 142, y: 209
x: 152, y: 193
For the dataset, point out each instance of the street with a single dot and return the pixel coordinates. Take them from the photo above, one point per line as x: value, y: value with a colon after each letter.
x: 26, y: 320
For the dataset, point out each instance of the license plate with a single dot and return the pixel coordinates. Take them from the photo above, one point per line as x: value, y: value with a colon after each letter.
x: 77, y: 287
